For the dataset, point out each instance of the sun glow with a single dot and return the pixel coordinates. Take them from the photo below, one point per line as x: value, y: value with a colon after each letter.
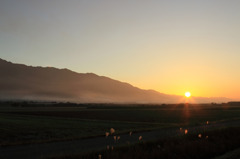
x: 187, y: 94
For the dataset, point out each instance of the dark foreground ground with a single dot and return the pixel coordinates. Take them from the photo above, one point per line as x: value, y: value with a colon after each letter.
x: 218, y: 144
x: 78, y: 131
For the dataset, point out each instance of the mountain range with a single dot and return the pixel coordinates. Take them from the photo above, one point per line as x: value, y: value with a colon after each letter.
x: 22, y: 82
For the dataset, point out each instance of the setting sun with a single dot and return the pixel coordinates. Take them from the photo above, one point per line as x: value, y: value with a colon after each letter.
x: 187, y: 94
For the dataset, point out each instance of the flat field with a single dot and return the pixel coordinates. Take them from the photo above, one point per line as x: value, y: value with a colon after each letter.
x: 65, y: 130
x: 26, y: 124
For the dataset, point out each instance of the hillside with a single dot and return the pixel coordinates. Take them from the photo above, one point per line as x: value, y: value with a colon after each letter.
x: 21, y: 82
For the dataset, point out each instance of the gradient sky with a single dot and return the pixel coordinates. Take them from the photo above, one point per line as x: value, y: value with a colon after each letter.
x: 171, y: 46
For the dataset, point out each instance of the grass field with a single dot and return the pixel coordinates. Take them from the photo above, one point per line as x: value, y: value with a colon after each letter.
x: 20, y: 125
x: 22, y: 129
x: 49, y: 123
x: 189, y: 146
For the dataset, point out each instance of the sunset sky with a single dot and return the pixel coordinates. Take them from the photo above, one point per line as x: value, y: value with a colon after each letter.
x: 171, y: 46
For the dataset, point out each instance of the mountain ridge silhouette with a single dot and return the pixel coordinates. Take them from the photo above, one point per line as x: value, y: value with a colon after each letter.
x: 22, y: 82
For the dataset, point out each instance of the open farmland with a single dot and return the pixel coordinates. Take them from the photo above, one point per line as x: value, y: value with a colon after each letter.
x: 60, y: 125
x: 158, y: 114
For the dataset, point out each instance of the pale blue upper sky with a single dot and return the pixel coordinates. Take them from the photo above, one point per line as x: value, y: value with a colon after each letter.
x: 171, y: 45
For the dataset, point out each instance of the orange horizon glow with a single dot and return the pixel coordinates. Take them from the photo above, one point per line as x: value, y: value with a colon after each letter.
x: 198, y: 88
x: 168, y: 47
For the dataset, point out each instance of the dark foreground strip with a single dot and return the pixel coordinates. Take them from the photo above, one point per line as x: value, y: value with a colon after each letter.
x: 193, y: 146
x: 70, y: 148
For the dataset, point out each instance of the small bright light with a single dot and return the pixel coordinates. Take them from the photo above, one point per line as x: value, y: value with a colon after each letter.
x: 187, y: 94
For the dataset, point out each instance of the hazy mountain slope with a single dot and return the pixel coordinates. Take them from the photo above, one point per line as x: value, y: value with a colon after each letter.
x: 25, y: 82
x: 37, y: 83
